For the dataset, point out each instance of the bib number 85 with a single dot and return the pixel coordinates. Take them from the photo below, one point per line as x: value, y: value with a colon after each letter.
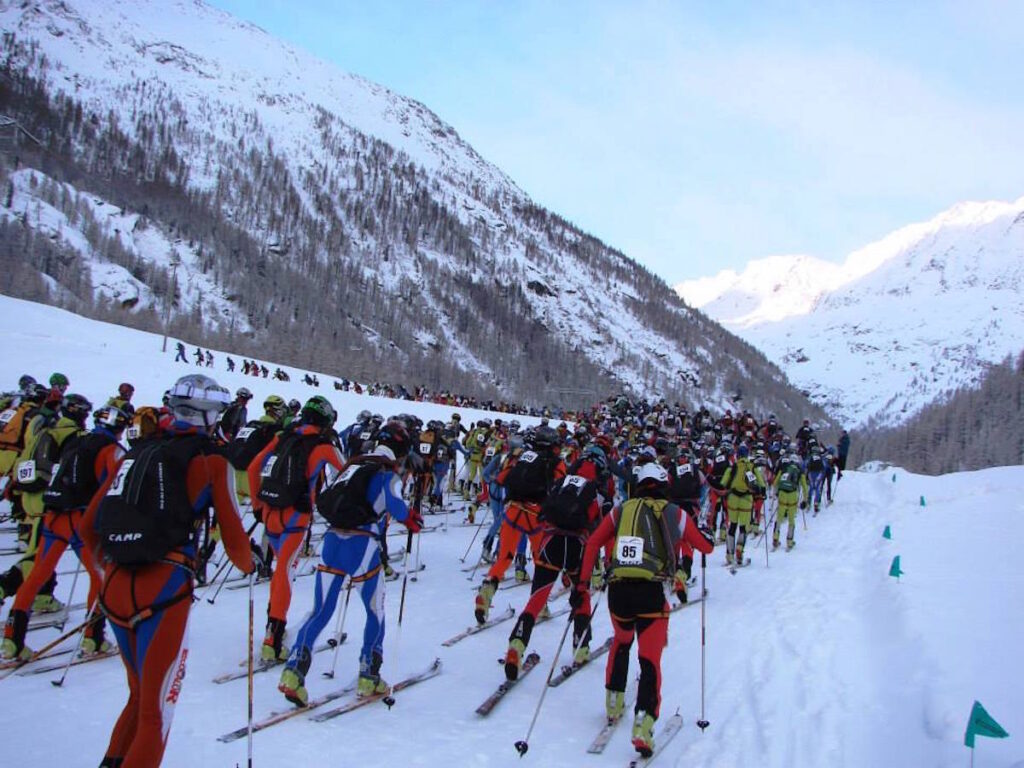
x: 629, y: 550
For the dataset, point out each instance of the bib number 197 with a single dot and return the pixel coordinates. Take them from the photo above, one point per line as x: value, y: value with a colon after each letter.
x: 629, y: 550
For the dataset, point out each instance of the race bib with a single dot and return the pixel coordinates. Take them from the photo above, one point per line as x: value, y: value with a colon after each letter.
x: 528, y: 457
x: 27, y: 472
x: 7, y: 415
x: 425, y: 448
x: 685, y: 469
x: 117, y: 487
x: 365, y: 435
x: 440, y: 453
x: 751, y: 477
x: 575, y: 481
x: 629, y: 550
x: 489, y: 452
x: 268, y: 467
x: 244, y: 432
x: 134, y: 432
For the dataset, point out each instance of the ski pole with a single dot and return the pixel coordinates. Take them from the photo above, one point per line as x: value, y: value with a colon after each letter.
x: 483, y: 519
x: 524, y: 745
x: 338, y: 630
x: 78, y: 647
x: 401, y: 602
x: 71, y: 595
x: 225, y: 564
x: 252, y: 621
x: 212, y: 600
x: 703, y: 722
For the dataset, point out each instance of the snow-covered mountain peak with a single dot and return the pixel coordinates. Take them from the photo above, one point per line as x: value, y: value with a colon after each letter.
x: 203, y: 53
x: 899, y: 323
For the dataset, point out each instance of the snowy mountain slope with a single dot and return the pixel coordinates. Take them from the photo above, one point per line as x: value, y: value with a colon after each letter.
x: 818, y: 659
x: 143, y: 243
x: 899, y: 323
x: 332, y: 175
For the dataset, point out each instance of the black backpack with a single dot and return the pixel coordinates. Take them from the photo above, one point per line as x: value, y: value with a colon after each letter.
x: 816, y: 464
x: 33, y: 475
x: 249, y: 441
x: 343, y: 503
x: 283, y: 481
x: 146, y: 511
x: 74, y: 482
x: 528, y: 479
x: 684, y: 481
x: 568, y: 504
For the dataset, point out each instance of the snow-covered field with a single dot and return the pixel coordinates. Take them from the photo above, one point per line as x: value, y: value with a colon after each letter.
x: 817, y: 658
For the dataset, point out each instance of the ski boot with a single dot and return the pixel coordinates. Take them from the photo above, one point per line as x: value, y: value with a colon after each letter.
x: 614, y: 704
x: 293, y: 685
x: 728, y: 558
x: 514, y: 659
x: 273, y: 651
x: 643, y: 734
x: 483, y: 599
x: 582, y: 655
x: 790, y: 544
x: 521, y: 574
x: 471, y: 515
x: 370, y: 682
x: 13, y: 646
x: 47, y: 604
x: 293, y: 679
x: 739, y: 555
x: 775, y: 544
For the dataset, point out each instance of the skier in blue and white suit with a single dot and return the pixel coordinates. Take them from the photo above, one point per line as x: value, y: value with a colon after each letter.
x: 354, y: 553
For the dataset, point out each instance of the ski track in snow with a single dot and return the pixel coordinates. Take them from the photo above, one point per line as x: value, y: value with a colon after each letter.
x: 819, y: 659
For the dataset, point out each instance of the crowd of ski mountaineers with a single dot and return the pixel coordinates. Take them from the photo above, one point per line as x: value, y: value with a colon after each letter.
x: 206, y: 359
x: 620, y: 501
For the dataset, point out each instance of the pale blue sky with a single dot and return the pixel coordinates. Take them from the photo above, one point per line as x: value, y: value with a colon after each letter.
x: 697, y: 136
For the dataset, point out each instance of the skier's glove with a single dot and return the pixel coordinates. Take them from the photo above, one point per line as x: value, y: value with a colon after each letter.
x: 679, y: 584
x: 803, y: 505
x: 414, y: 522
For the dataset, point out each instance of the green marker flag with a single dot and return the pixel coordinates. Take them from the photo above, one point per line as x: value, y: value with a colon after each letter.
x: 922, y: 501
x: 982, y: 724
x: 894, y: 477
x: 887, y: 534
x: 894, y: 569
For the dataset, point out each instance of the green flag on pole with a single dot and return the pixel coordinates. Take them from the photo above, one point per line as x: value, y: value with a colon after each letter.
x: 894, y: 569
x: 887, y: 534
x: 982, y: 724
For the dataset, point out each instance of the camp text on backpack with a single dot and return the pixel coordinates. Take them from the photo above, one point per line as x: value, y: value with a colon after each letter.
x: 146, y: 511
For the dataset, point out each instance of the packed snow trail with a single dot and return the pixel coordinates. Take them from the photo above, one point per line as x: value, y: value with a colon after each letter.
x: 820, y: 659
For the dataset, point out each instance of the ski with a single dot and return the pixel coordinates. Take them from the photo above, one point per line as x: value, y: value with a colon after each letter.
x: 680, y: 606
x: 508, y: 614
x: 515, y: 584
x: 604, y: 736
x: 263, y: 666
x: 432, y: 671
x: 280, y: 716
x: 553, y: 614
x: 491, y: 701
x: 54, y: 665
x: 398, y: 573
x: 15, y: 663
x: 663, y: 736
x: 736, y: 566
x: 568, y: 670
